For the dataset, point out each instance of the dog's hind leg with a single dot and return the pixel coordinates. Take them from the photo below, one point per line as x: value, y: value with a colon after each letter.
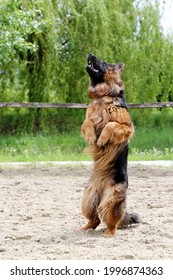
x: 92, y: 223
x: 89, y: 206
x: 112, y: 208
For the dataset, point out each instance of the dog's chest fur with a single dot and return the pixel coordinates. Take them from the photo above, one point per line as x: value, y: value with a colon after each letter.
x: 104, y: 110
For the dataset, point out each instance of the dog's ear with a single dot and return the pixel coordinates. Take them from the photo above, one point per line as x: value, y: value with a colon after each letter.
x: 119, y: 67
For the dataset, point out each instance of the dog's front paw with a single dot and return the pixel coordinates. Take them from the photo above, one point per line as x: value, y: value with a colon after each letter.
x: 89, y: 136
x: 102, y: 140
x: 91, y: 139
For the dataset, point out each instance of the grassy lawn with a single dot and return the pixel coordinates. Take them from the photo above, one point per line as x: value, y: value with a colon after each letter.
x: 147, y: 144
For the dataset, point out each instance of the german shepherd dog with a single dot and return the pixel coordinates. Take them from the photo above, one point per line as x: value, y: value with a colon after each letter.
x: 108, y: 129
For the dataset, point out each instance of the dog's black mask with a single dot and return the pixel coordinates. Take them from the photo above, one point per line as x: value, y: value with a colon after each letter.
x: 95, y: 69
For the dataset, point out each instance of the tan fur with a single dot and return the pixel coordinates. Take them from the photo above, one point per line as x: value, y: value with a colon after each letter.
x: 108, y: 129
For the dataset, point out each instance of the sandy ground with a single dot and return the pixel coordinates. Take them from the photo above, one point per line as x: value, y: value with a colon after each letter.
x: 40, y: 210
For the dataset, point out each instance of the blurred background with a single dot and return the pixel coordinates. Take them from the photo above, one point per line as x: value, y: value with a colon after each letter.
x: 43, y: 50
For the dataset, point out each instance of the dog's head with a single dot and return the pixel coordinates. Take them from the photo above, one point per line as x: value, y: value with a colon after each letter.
x: 104, y: 77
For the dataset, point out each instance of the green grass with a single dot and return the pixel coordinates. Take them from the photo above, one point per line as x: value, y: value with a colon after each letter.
x: 152, y: 144
x: 41, y: 148
x: 147, y: 144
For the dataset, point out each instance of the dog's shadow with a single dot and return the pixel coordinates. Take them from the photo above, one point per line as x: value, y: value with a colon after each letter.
x: 90, y: 233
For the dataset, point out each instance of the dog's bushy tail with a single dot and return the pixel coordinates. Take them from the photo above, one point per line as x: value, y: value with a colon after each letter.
x: 129, y: 219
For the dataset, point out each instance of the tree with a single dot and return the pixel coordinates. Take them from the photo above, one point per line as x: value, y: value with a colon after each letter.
x: 44, y: 45
x: 27, y: 49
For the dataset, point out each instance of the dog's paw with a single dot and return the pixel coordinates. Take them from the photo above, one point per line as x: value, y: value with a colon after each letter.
x: 109, y: 232
x: 89, y: 135
x: 102, y: 140
x: 91, y: 139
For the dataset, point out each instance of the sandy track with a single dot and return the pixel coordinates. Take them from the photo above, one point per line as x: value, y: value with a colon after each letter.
x: 40, y: 209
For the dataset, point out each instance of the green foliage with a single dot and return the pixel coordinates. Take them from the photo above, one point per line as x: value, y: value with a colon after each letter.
x: 20, y: 19
x: 43, y: 50
x: 152, y: 118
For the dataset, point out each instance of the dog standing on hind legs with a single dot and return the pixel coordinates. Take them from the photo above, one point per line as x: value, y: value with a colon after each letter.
x: 108, y: 129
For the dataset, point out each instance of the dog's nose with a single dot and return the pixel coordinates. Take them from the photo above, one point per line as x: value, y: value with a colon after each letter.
x: 90, y: 55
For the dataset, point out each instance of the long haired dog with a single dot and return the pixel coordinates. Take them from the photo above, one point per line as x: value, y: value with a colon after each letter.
x: 108, y: 129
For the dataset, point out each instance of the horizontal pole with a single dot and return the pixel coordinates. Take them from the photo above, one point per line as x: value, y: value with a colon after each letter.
x: 78, y: 105
x: 151, y: 105
x: 41, y: 105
